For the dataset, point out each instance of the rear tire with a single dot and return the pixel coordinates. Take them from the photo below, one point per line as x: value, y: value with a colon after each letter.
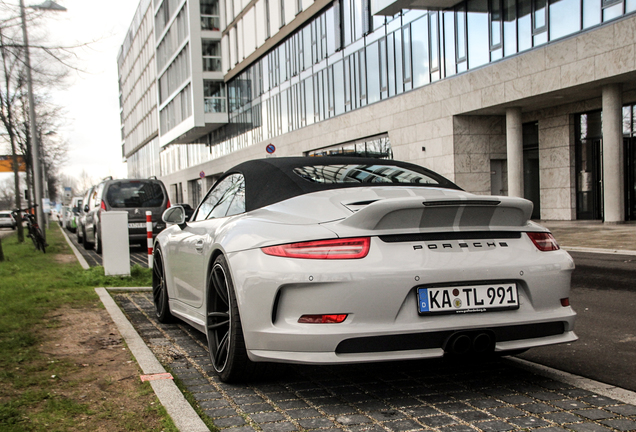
x: 223, y: 329
x: 160, y: 289
x: 87, y: 245
x: 98, y: 243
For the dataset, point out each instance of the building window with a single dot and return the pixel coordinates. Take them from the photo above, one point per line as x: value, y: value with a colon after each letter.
x: 210, y: 19
x: 539, y: 22
x: 612, y: 9
x: 211, y: 55
x: 496, y: 39
x: 267, y: 30
x: 177, y: 73
x: 281, y: 3
x: 214, y: 96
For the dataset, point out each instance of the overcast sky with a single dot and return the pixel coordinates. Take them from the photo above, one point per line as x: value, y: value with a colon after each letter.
x: 91, y: 100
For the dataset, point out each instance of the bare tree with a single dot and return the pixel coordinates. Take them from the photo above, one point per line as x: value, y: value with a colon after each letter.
x: 49, y: 70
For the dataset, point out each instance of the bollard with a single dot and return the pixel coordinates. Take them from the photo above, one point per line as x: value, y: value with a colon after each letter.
x: 149, y: 234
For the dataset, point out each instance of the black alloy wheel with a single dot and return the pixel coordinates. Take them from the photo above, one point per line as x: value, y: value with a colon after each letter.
x: 223, y: 327
x: 159, y: 289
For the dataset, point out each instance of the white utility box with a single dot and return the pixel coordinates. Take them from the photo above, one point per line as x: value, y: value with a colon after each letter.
x: 115, y: 245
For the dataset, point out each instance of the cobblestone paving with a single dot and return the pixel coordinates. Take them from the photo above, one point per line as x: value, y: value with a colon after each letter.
x: 386, y: 397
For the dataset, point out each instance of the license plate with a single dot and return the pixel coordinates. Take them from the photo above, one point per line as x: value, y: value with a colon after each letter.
x: 137, y: 225
x: 467, y: 299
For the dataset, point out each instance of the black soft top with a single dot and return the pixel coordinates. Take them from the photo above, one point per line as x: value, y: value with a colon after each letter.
x: 271, y: 180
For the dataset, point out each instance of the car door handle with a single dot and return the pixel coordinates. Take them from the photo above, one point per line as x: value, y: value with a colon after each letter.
x: 199, y: 245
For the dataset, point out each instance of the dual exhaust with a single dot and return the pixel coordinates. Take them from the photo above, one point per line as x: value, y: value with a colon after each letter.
x: 463, y: 343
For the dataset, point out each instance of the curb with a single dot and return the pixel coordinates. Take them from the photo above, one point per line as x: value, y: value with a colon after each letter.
x: 183, y: 415
x: 608, y: 390
x: 78, y: 255
x: 598, y: 250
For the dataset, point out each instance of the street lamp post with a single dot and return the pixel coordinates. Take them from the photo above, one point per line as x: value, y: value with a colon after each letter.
x: 35, y: 144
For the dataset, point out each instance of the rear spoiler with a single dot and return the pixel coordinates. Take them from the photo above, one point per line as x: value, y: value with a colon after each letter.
x: 449, y: 214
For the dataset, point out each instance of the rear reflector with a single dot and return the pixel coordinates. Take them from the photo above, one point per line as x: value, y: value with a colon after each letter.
x: 322, y: 319
x: 543, y: 241
x: 351, y: 248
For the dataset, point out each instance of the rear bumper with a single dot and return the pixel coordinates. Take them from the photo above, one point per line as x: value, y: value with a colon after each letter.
x: 378, y: 294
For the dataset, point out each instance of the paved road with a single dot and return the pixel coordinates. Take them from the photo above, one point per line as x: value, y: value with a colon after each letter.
x: 439, y: 395
x: 138, y: 253
x: 604, y: 296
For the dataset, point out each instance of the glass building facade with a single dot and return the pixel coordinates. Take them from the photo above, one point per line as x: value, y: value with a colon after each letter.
x: 344, y: 58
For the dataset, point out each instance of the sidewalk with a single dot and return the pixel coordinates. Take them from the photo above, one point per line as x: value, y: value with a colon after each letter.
x: 591, y: 235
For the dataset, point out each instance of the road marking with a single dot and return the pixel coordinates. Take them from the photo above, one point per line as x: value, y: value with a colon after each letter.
x: 600, y: 251
x: 618, y: 393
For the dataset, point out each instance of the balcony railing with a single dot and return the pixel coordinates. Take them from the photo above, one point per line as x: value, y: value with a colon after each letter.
x: 210, y: 22
x: 214, y: 105
x: 211, y: 64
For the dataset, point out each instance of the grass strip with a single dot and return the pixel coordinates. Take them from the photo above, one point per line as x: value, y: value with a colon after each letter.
x: 33, y: 286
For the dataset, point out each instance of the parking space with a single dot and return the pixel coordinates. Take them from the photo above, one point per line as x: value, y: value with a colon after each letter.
x: 138, y: 253
x: 394, y: 397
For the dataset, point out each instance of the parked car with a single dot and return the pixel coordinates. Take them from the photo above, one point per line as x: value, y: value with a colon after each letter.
x: 76, y: 204
x: 136, y: 196
x: 341, y: 260
x: 81, y: 217
x: 7, y: 220
x: 68, y: 218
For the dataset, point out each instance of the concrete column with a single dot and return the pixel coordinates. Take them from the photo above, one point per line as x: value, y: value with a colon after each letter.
x: 514, y: 145
x: 613, y: 176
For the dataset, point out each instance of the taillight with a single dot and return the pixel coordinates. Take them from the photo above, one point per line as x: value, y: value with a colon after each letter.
x: 351, y: 248
x: 322, y: 319
x: 543, y: 241
x: 168, y: 205
x: 565, y: 302
x: 103, y: 205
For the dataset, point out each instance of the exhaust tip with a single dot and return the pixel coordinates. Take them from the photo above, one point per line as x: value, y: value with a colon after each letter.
x: 461, y: 344
x: 482, y: 343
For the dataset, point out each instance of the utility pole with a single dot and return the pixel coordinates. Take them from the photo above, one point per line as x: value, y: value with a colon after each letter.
x: 35, y: 144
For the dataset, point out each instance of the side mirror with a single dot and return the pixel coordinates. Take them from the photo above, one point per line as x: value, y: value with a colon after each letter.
x: 174, y: 215
x: 86, y: 208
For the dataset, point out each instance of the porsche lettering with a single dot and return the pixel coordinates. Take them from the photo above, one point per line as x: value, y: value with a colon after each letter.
x: 463, y: 245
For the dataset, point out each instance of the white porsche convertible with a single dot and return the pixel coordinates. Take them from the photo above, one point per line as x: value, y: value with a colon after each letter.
x: 333, y: 260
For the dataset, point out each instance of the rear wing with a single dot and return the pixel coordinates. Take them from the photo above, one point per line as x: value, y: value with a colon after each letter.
x: 418, y: 214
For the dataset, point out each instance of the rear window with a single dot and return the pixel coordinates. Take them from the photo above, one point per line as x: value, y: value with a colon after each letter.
x: 134, y: 194
x: 7, y: 216
x: 334, y: 174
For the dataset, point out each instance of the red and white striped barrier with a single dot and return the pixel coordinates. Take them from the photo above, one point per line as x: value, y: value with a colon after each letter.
x: 149, y: 234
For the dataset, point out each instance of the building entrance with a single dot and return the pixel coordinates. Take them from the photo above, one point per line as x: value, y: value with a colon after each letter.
x: 531, y: 183
x: 589, y: 174
x: 630, y: 178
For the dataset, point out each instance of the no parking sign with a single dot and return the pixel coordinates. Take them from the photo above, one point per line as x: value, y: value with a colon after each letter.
x: 270, y: 149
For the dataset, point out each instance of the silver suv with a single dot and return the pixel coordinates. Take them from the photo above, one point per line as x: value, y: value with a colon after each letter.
x: 136, y: 196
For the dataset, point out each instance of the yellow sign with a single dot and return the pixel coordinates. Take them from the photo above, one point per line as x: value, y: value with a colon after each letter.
x: 6, y: 164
